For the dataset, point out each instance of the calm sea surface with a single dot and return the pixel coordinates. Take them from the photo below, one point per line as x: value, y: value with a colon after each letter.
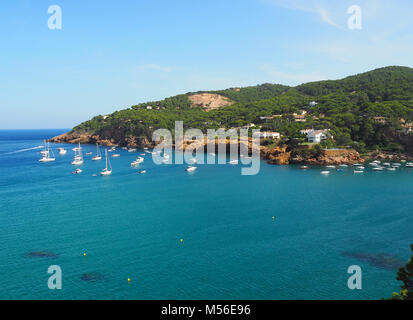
x: 130, y: 226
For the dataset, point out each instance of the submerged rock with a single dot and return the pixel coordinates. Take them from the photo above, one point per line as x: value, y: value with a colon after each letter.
x: 380, y: 260
x: 41, y: 254
x: 92, y: 276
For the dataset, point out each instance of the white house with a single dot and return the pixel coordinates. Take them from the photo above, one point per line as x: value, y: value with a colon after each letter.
x: 316, y: 136
x: 268, y: 135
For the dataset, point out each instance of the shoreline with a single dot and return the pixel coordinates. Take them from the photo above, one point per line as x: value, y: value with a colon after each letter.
x: 279, y: 155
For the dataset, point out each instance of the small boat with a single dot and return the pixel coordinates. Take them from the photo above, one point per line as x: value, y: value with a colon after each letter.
x: 378, y: 169
x: 357, y: 165
x: 330, y: 167
x: 108, y: 170
x: 303, y: 167
x: 62, y: 151
x: 48, y: 156
x: 233, y: 162
x: 191, y: 169
x: 377, y: 161
x: 325, y: 172
x: 77, y: 171
x: 98, y: 154
x: 391, y: 169
x: 409, y: 164
x: 142, y: 171
x: 358, y: 171
x: 116, y: 155
x: 124, y: 148
x: 89, y: 153
x: 137, y: 162
x: 193, y: 160
x: 343, y: 166
x: 132, y: 150
x: 396, y: 165
x: 386, y: 164
x: 360, y: 168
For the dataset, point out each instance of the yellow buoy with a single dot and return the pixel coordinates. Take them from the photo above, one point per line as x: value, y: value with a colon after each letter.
x: 273, y: 218
x: 84, y: 254
x: 182, y: 240
x: 128, y: 279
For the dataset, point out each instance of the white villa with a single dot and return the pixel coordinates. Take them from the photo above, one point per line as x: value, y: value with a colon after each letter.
x: 268, y: 135
x: 316, y: 136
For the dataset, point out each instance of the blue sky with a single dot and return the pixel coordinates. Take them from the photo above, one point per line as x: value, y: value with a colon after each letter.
x: 110, y: 55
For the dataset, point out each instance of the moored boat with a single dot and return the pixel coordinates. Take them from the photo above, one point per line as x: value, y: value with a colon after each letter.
x: 108, y: 170
x: 98, y: 154
x: 48, y: 156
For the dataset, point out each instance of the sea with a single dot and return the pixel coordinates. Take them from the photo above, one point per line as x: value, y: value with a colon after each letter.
x: 284, y: 233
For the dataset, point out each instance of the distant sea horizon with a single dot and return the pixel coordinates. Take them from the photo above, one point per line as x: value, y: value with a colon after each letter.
x: 213, y: 234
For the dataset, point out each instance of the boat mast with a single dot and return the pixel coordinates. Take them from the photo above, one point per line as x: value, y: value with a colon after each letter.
x: 106, y: 159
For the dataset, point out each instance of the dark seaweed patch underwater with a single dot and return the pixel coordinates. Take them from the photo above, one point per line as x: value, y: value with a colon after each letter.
x: 41, y: 254
x: 92, y: 276
x: 380, y: 260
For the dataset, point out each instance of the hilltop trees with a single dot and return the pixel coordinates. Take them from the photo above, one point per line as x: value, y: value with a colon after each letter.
x: 348, y: 107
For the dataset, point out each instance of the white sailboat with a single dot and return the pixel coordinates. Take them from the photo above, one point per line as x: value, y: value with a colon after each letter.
x: 46, y: 151
x: 98, y: 154
x: 46, y: 156
x: 108, y: 170
x: 78, y: 159
x: 62, y: 151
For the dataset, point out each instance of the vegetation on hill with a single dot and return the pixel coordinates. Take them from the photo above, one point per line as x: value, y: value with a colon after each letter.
x: 368, y: 111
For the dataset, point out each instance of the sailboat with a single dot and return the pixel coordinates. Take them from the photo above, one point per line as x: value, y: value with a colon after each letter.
x: 46, y: 156
x: 98, y: 154
x: 62, y: 151
x: 108, y: 170
x: 46, y: 151
x: 78, y: 160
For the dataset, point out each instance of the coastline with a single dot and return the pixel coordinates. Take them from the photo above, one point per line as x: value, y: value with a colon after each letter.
x: 279, y: 155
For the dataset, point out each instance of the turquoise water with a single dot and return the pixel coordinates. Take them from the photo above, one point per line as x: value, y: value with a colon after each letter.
x: 130, y: 226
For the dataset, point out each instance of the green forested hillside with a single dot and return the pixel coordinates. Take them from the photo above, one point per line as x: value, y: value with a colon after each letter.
x: 348, y: 107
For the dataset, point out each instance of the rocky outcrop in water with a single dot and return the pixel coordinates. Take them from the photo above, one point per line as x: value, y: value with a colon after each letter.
x: 103, y: 139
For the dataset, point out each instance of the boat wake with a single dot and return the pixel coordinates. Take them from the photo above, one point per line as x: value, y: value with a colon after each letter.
x: 24, y: 150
